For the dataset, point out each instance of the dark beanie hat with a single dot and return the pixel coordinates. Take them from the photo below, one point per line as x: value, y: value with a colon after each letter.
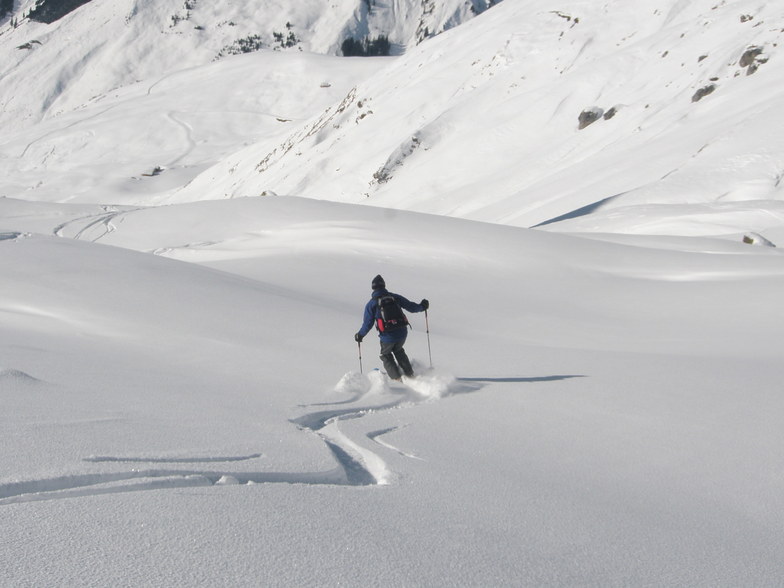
x: 378, y: 283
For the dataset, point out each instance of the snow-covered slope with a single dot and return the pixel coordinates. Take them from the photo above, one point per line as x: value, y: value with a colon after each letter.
x: 105, y: 44
x: 182, y: 122
x: 481, y: 122
x: 600, y: 414
x: 182, y: 399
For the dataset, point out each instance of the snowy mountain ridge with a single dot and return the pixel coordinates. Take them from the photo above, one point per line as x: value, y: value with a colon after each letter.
x: 518, y: 116
x: 105, y: 44
x: 536, y: 107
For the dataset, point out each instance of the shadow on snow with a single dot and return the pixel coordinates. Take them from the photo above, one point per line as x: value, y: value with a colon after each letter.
x: 521, y: 380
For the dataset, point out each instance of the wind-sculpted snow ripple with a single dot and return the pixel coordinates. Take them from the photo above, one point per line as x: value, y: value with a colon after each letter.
x: 16, y: 376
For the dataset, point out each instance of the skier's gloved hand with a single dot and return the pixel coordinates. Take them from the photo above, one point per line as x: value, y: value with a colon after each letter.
x: 358, y: 338
x: 424, y: 304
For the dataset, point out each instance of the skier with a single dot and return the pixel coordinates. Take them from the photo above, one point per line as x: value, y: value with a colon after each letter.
x: 384, y: 309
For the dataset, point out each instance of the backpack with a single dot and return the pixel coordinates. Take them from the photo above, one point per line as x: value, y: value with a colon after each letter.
x: 389, y: 315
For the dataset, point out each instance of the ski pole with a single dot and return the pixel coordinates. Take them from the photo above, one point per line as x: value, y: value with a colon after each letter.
x: 359, y: 347
x: 427, y: 329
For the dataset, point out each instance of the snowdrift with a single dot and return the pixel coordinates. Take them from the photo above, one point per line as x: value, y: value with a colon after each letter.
x: 598, y: 412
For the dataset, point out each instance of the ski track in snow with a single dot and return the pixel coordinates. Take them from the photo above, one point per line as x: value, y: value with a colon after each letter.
x: 100, y: 459
x: 375, y: 436
x: 363, y: 466
x: 152, y: 479
x: 106, y: 221
x: 189, y: 140
x: 12, y: 236
x: 356, y: 464
x: 60, y: 130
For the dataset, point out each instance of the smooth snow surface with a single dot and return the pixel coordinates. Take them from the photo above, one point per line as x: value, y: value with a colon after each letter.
x: 599, y: 413
x: 186, y: 253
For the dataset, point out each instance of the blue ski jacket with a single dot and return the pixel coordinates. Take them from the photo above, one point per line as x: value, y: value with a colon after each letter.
x: 371, y: 314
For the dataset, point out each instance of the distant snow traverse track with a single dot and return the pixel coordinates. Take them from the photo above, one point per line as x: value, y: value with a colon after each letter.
x: 93, y: 226
x: 356, y: 465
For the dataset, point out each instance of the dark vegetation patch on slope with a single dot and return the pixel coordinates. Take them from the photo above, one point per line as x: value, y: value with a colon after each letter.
x: 48, y: 11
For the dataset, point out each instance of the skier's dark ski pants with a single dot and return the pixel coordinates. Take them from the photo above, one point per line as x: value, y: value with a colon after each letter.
x: 395, y: 359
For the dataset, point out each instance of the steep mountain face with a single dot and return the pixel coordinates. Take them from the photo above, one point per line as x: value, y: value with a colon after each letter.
x: 62, y: 53
x: 525, y: 115
x: 586, y: 117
